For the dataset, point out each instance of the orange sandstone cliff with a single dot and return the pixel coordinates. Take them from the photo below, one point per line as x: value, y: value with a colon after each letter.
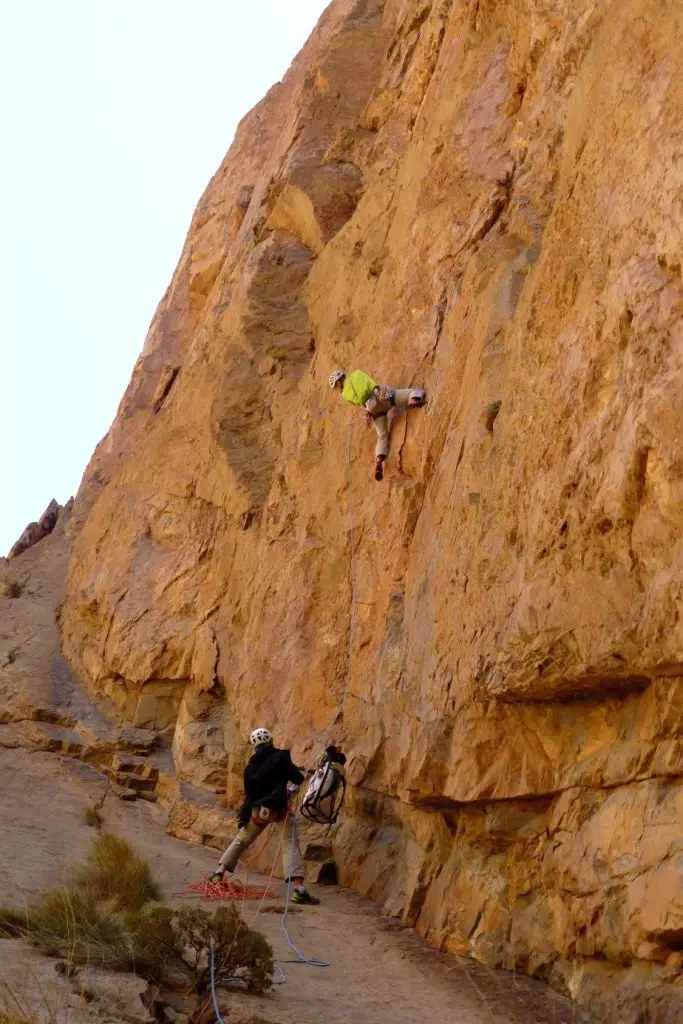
x: 483, y: 198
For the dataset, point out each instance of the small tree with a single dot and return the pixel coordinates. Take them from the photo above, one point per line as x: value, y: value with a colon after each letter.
x: 239, y: 951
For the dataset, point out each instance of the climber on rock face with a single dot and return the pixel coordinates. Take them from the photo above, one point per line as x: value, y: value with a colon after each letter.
x: 377, y: 400
x: 269, y: 778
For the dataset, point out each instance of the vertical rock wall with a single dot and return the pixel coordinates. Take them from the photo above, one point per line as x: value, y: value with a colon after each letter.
x: 484, y: 199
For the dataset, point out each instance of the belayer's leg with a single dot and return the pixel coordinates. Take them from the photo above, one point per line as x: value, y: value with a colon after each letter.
x: 293, y: 863
x: 242, y: 841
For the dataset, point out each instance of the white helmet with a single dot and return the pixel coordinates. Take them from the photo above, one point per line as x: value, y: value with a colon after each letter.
x: 260, y: 738
x: 335, y: 377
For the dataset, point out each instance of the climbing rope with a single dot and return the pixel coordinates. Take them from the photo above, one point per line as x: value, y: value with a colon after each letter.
x: 301, y: 958
x: 223, y: 890
x: 227, y: 890
x: 352, y: 624
x: 213, y: 988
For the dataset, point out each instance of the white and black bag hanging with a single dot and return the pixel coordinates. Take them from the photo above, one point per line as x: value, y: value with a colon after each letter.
x: 324, y: 797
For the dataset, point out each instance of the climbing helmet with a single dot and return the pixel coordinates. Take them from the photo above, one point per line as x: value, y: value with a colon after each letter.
x: 260, y: 737
x: 335, y: 377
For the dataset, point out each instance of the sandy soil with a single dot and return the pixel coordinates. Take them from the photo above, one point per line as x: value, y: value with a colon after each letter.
x: 379, y: 973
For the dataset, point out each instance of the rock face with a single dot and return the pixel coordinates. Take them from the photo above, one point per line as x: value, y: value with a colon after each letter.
x: 36, y: 531
x: 482, y: 199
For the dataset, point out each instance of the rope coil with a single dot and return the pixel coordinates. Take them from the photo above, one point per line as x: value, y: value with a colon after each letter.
x: 224, y: 890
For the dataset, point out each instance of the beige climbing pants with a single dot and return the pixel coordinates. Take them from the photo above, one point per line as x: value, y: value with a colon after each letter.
x: 379, y: 410
x: 292, y: 861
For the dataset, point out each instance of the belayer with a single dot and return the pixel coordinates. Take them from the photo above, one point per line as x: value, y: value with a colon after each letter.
x: 269, y: 777
x: 377, y: 400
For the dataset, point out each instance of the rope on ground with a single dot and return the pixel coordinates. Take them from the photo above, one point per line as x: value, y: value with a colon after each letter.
x: 213, y: 989
x: 224, y: 890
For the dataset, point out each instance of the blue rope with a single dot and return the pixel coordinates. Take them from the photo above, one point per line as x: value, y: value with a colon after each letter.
x: 301, y: 958
x: 213, y: 988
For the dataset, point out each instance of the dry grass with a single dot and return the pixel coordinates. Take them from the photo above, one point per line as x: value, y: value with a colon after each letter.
x: 93, y: 817
x: 12, y: 923
x: 17, y: 1008
x: 82, y: 929
x: 12, y: 588
x: 113, y: 873
x: 103, y: 918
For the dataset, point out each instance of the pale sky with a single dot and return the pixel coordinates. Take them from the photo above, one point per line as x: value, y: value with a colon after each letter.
x: 114, y: 114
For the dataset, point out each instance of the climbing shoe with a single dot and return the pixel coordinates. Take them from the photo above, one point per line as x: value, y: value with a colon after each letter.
x: 379, y: 468
x: 416, y: 403
x: 305, y: 897
x: 217, y: 876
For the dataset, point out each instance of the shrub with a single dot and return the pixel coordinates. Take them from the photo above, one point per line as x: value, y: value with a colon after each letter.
x: 13, y: 654
x: 12, y: 923
x: 239, y: 951
x: 491, y: 413
x: 75, y: 925
x: 12, y: 588
x: 93, y: 818
x: 112, y: 871
x: 103, y: 919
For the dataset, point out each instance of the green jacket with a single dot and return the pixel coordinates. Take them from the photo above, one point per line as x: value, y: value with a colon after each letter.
x: 358, y: 387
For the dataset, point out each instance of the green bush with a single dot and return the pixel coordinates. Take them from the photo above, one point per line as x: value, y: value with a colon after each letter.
x: 103, y: 919
x: 153, y: 943
x: 239, y: 951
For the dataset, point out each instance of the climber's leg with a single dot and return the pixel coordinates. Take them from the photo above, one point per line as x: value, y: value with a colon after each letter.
x: 382, y: 447
x: 409, y: 398
x: 382, y: 430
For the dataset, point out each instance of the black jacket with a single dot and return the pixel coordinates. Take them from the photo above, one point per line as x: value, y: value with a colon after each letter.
x: 265, y: 781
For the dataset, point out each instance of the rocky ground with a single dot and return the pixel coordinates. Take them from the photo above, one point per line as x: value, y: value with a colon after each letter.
x: 380, y: 971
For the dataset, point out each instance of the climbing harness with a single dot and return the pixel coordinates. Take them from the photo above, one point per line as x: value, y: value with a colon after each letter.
x: 385, y: 394
x: 324, y: 797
